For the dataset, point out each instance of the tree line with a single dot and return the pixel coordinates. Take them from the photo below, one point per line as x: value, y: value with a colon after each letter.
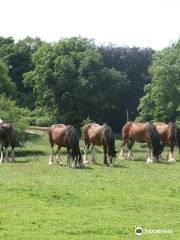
x: 74, y: 80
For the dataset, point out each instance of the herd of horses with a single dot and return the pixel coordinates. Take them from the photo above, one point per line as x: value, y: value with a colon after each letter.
x: 155, y: 135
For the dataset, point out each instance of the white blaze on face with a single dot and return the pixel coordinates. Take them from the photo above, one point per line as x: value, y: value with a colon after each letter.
x: 1, y: 121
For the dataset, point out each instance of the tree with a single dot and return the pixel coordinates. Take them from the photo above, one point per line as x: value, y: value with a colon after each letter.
x: 7, y: 86
x: 162, y: 96
x: 18, y: 57
x: 134, y: 63
x: 71, y: 82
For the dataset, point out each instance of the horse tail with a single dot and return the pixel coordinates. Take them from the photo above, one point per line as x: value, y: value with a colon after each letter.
x: 73, y: 141
x: 110, y: 139
x: 177, y: 136
x: 50, y: 131
x: 155, y: 140
x: 125, y: 131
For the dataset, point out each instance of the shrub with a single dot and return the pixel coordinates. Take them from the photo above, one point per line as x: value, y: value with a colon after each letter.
x: 15, y: 115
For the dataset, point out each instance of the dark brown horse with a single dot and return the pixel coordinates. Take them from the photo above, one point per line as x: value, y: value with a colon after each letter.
x: 141, y: 132
x: 96, y: 134
x: 65, y: 136
x: 170, y: 135
x: 7, y: 139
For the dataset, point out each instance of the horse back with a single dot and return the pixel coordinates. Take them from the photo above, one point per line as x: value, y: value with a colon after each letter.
x: 57, y: 134
x: 94, y: 134
x: 135, y: 131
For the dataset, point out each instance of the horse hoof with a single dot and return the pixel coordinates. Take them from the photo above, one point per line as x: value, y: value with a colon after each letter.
x: 171, y: 160
x: 86, y: 161
x: 60, y: 163
x: 149, y: 160
x: 50, y: 163
x: 121, y: 158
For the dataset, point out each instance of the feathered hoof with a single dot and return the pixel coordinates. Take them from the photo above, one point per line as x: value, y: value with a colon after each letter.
x: 171, y: 160
x: 85, y: 162
x: 50, y: 163
x: 149, y: 160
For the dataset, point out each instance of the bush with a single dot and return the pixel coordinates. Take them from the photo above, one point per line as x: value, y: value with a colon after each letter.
x: 39, y: 118
x: 15, y: 115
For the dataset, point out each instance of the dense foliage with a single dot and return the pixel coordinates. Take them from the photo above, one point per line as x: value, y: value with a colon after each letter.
x: 71, y: 82
x: 9, y: 111
x: 73, y: 79
x: 162, y: 96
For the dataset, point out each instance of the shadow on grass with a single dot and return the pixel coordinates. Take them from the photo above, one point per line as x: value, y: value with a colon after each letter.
x: 138, y: 160
x: 26, y: 153
x: 85, y: 168
x: 21, y: 161
x: 166, y: 162
x: 120, y: 166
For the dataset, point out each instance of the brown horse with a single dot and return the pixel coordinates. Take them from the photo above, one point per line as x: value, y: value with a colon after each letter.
x: 65, y: 136
x: 141, y: 132
x: 96, y: 134
x: 170, y: 135
x: 7, y: 139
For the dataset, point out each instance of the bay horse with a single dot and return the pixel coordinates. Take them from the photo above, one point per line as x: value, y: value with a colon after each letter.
x: 170, y: 135
x: 65, y: 136
x: 96, y: 134
x: 141, y: 132
x: 7, y: 139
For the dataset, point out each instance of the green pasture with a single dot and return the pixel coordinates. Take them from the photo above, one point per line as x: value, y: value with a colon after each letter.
x: 38, y: 201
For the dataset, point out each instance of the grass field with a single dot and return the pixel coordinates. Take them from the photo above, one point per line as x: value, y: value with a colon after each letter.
x: 38, y: 201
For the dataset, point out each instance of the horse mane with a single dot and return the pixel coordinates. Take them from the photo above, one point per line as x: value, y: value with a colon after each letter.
x: 73, y: 141
x: 155, y: 139
x: 110, y: 138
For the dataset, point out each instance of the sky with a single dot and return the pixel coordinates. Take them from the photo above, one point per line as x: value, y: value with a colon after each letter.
x: 142, y: 23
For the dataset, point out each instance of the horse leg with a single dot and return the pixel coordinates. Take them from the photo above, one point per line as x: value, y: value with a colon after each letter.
x: 105, y: 155
x: 93, y: 155
x: 51, y: 159
x: 6, y: 155
x: 149, y: 158
x: 1, y: 159
x: 68, y: 158
x: 85, y: 160
x: 170, y: 155
x: 58, y: 160
x: 130, y: 145
x: 12, y: 154
x: 121, y: 154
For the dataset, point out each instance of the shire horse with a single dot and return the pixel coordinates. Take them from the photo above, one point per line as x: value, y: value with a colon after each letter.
x: 141, y: 132
x: 7, y: 139
x: 169, y: 135
x: 96, y: 134
x: 65, y: 136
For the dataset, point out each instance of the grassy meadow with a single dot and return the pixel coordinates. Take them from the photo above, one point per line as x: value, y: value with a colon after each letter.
x: 38, y: 201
